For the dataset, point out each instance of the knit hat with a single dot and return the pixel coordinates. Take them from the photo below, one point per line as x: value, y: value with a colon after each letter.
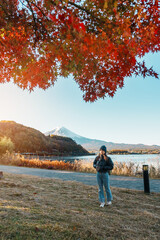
x: 103, y: 148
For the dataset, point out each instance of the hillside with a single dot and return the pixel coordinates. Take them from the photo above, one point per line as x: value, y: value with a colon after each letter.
x: 93, y: 145
x: 30, y: 140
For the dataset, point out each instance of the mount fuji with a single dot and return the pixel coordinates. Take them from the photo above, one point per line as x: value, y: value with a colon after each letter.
x: 93, y: 145
x: 87, y: 143
x: 62, y: 131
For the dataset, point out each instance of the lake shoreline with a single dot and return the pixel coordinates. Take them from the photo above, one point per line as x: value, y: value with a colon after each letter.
x: 123, y: 165
x: 91, y: 154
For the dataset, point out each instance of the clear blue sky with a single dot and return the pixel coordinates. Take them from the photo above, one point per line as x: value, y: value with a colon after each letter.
x: 132, y: 116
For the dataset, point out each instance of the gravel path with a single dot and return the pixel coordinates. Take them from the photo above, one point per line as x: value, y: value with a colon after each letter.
x: 86, y: 178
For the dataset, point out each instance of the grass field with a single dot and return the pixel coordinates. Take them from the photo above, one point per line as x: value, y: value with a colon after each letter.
x: 48, y: 209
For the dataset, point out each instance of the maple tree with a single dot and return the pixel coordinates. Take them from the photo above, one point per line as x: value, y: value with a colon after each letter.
x: 99, y: 42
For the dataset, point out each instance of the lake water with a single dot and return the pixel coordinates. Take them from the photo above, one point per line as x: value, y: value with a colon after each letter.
x: 138, y: 159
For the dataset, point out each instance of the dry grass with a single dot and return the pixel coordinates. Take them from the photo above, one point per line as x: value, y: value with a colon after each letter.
x: 125, y: 169
x: 46, y: 209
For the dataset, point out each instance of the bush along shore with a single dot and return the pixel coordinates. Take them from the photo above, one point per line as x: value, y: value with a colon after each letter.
x: 125, y: 169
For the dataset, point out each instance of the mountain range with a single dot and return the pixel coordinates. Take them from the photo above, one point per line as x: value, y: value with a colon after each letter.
x: 31, y: 141
x: 93, y: 145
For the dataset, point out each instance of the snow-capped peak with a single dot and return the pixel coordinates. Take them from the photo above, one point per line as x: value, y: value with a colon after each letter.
x: 62, y: 131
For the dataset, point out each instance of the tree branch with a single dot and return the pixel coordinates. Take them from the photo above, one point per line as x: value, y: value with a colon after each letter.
x: 34, y: 19
x: 86, y: 11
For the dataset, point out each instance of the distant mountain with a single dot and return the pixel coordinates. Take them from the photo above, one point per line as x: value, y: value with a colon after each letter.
x: 30, y: 140
x: 94, y: 144
x: 62, y: 131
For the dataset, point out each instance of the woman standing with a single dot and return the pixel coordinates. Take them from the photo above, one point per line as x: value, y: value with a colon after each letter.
x: 103, y: 165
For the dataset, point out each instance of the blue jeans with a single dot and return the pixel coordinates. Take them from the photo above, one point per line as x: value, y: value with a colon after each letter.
x: 103, y: 180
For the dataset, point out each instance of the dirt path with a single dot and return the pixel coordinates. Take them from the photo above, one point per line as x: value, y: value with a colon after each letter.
x: 86, y: 178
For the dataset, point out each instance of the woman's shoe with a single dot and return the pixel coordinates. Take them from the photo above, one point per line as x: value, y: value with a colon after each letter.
x: 109, y: 203
x: 102, y: 204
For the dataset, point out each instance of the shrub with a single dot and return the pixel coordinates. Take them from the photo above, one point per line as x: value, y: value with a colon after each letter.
x: 6, y: 145
x: 120, y: 168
